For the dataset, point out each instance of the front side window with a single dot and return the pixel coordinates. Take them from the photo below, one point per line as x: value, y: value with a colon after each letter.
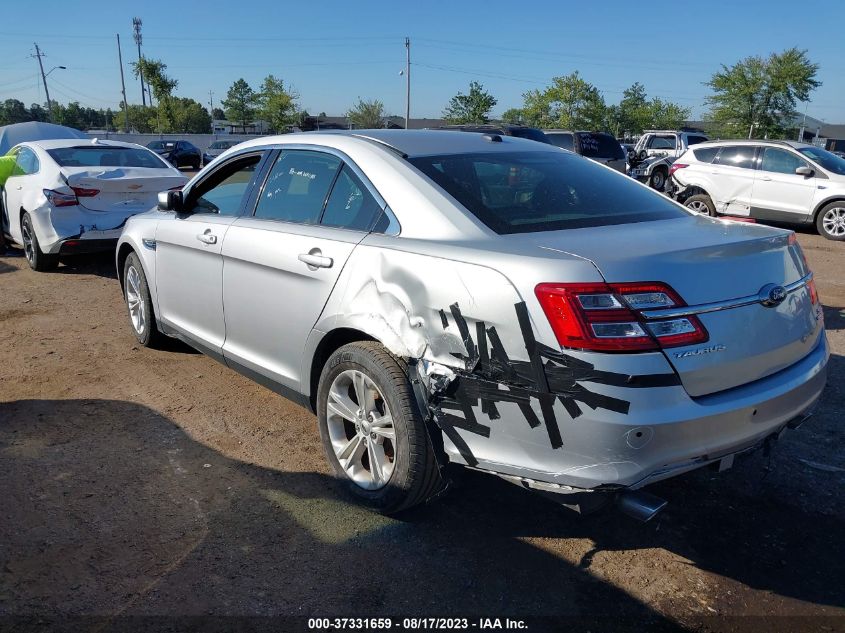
x: 780, y: 161
x: 350, y: 205
x: 297, y: 187
x: 737, y: 156
x: 224, y: 190
x: 526, y: 192
x: 829, y: 161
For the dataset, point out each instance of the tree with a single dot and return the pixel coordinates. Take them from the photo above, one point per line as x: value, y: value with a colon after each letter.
x: 217, y: 114
x: 240, y: 103
x: 189, y: 116
x: 366, y: 114
x: 13, y: 111
x: 162, y: 86
x: 470, y: 108
x: 142, y: 119
x: 514, y: 115
x: 277, y: 104
x: 761, y: 92
x: 569, y: 103
x: 37, y: 112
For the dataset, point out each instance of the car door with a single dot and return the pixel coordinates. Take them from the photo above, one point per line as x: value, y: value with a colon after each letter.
x: 779, y: 193
x: 24, y: 177
x: 189, y: 266
x: 282, y: 262
x: 732, y: 175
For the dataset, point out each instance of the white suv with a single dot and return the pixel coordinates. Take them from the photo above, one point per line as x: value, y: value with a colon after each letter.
x: 783, y: 181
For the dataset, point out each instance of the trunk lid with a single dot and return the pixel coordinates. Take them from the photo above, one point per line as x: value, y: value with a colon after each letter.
x: 707, y: 261
x: 125, y: 188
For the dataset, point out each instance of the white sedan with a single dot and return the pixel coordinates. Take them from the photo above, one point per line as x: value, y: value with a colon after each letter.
x: 71, y: 196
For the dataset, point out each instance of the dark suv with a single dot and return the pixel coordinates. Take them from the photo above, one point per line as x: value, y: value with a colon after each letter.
x: 598, y: 146
x: 178, y: 153
x: 522, y: 131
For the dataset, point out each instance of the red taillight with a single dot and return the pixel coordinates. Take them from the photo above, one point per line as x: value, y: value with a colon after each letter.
x: 814, y: 294
x: 83, y: 192
x: 675, y: 167
x: 59, y: 199
x: 608, y: 317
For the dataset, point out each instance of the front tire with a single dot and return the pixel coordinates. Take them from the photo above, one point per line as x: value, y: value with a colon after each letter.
x: 371, y: 430
x: 701, y: 204
x: 136, y: 292
x: 37, y: 259
x: 830, y: 222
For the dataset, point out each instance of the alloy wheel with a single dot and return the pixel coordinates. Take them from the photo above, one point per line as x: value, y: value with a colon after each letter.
x: 361, y: 429
x: 834, y: 221
x: 698, y: 206
x: 28, y: 247
x: 135, y: 301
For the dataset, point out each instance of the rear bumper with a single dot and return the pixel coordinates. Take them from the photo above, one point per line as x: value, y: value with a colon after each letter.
x: 55, y: 227
x: 666, y: 432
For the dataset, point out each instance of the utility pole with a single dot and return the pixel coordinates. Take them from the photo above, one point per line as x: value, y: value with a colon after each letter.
x: 39, y: 55
x: 123, y: 87
x: 136, y: 27
x: 211, y: 103
x: 407, y: 81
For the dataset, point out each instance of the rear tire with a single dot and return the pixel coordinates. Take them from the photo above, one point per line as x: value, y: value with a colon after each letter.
x: 136, y: 293
x: 405, y: 472
x: 830, y: 221
x: 37, y: 259
x: 701, y: 204
x: 657, y: 180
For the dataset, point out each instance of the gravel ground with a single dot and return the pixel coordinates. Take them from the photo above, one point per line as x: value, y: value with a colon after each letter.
x: 137, y: 482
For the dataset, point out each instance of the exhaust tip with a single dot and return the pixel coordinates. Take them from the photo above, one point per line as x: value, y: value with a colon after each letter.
x: 639, y: 505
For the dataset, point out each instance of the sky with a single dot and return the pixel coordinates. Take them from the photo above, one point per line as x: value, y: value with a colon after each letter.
x: 332, y: 53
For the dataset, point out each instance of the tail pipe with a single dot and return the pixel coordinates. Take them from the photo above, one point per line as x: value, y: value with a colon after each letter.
x: 640, y: 505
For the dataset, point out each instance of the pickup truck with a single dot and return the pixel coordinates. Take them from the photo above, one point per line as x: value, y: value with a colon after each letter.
x: 656, y: 150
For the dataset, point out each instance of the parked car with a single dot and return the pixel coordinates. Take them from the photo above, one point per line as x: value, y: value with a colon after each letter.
x: 442, y: 297
x: 178, y: 153
x: 520, y: 131
x: 72, y: 196
x: 655, y: 152
x: 216, y: 148
x: 783, y: 181
x: 598, y: 146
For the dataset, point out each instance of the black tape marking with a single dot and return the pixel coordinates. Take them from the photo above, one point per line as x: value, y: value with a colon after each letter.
x: 492, y: 377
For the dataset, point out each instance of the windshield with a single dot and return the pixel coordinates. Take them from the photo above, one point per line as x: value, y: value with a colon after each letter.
x: 161, y: 144
x: 830, y: 162
x: 599, y: 145
x: 526, y: 192
x: 91, y: 156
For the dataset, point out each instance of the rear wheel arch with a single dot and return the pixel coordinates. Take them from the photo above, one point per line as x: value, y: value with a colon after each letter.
x: 327, y: 346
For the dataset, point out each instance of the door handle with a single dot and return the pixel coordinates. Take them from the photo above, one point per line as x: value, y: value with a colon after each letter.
x: 207, y: 237
x: 766, y: 178
x: 315, y: 259
x: 19, y: 187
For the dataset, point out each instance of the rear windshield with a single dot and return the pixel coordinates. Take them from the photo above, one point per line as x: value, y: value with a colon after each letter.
x: 829, y: 161
x: 161, y: 144
x: 599, y: 145
x: 221, y: 145
x: 532, y: 134
x: 90, y: 156
x: 527, y: 192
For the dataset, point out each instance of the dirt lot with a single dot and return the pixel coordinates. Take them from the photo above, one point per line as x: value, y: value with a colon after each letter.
x: 137, y: 482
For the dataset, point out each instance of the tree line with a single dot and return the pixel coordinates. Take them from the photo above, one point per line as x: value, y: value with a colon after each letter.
x: 757, y: 96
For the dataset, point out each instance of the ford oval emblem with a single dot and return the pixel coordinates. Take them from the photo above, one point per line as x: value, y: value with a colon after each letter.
x: 772, y: 295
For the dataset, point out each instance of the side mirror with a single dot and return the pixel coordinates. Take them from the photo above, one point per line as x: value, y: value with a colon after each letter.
x: 170, y: 200
x: 804, y: 171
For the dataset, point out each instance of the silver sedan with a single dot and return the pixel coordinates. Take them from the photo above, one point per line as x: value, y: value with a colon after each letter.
x: 488, y: 301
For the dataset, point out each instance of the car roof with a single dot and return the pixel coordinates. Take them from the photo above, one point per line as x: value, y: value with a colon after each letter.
x: 741, y: 141
x: 411, y: 143
x: 77, y: 142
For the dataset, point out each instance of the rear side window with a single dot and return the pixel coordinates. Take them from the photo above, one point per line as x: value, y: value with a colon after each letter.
x: 780, y: 161
x: 737, y: 156
x: 297, y: 187
x: 92, y: 156
x: 599, y: 145
x: 350, y: 205
x: 705, y: 154
x: 562, y: 140
x: 526, y: 192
